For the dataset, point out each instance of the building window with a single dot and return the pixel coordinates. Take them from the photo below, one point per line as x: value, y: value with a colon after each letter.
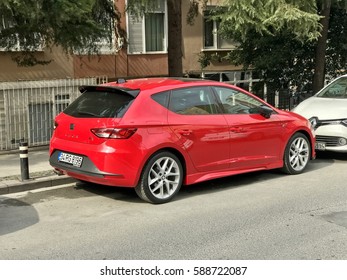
x: 148, y: 33
x: 212, y: 39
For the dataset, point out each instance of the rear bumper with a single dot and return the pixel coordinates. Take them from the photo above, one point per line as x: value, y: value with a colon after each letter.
x: 88, y: 168
x: 88, y: 174
x: 102, y: 164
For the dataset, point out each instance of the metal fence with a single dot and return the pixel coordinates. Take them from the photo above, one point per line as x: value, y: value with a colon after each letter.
x: 28, y: 108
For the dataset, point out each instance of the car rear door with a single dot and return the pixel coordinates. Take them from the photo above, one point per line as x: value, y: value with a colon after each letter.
x: 202, y: 130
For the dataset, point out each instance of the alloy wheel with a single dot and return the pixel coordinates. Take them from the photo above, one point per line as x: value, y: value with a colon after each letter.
x: 299, y: 154
x: 164, y: 177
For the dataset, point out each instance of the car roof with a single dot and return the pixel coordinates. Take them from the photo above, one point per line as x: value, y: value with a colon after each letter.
x: 159, y: 84
x: 151, y: 83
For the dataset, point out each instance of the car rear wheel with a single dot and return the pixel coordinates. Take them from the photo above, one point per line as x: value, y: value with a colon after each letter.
x: 161, y: 178
x: 297, y: 154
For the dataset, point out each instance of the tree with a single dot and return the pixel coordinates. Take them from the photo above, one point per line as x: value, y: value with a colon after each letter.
x: 336, y: 51
x: 274, y: 37
x: 75, y: 25
x: 327, y: 7
x: 279, y: 60
x: 308, y: 26
x: 270, y: 17
x: 319, y: 70
x: 175, y: 38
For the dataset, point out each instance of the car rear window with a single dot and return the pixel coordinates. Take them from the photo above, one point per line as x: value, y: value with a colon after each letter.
x: 100, y: 104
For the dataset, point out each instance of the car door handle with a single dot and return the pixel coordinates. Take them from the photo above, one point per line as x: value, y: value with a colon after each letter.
x: 185, y: 132
x: 237, y: 129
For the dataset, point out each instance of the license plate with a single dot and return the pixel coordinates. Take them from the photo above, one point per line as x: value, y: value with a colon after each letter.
x: 320, y: 146
x: 70, y: 159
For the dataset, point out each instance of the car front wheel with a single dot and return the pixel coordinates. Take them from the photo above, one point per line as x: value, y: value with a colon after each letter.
x: 297, y: 154
x: 161, y: 178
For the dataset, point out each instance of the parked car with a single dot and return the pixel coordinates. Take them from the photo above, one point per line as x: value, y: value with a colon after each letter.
x: 156, y: 134
x: 327, y: 111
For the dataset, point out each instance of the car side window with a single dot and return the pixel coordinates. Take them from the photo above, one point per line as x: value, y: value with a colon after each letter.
x: 162, y: 98
x: 193, y: 101
x: 237, y: 102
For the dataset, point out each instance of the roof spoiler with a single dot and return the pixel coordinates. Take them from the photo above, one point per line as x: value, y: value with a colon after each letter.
x: 133, y: 92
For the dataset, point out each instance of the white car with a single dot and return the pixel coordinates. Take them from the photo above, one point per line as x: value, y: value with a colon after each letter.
x: 327, y: 112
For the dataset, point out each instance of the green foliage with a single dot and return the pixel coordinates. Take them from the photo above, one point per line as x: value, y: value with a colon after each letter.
x: 194, y: 10
x: 204, y: 60
x: 281, y: 60
x: 239, y: 17
x: 278, y: 39
x: 75, y: 25
x: 336, y: 53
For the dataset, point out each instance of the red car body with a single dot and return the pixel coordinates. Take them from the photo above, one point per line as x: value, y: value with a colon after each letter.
x: 115, y: 150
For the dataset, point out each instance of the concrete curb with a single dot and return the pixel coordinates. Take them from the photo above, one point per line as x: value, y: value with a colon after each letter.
x: 14, y: 186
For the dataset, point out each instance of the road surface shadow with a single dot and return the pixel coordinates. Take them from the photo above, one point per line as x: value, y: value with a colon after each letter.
x: 338, y: 218
x: 16, y: 215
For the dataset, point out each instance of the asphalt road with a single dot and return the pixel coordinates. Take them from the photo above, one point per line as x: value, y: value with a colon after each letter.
x: 258, y: 216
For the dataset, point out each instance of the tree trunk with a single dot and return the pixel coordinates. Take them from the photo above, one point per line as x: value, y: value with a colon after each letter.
x: 319, y: 71
x: 175, y: 38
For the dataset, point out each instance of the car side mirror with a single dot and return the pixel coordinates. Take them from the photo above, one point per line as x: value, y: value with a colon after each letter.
x: 265, y: 111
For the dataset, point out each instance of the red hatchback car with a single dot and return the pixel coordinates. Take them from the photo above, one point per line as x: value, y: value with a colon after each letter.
x: 156, y: 134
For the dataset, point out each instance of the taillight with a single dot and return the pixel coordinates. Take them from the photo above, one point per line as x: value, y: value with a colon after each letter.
x: 114, y: 133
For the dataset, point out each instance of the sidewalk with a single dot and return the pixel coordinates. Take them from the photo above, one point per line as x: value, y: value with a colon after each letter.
x: 41, y: 174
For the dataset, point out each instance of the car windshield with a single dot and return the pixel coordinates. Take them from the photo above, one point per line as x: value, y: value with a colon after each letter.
x: 100, y: 104
x: 337, y: 89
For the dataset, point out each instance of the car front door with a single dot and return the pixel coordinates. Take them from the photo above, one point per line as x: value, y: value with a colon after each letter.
x: 255, y: 140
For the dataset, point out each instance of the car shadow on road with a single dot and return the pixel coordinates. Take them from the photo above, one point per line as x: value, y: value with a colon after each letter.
x: 116, y: 193
x: 226, y: 183
x: 331, y: 156
x: 237, y: 181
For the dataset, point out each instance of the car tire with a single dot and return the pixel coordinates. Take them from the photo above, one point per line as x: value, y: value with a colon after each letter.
x: 161, y: 178
x: 297, y: 154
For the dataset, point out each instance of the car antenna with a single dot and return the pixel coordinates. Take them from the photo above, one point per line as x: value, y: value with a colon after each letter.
x: 121, y: 81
